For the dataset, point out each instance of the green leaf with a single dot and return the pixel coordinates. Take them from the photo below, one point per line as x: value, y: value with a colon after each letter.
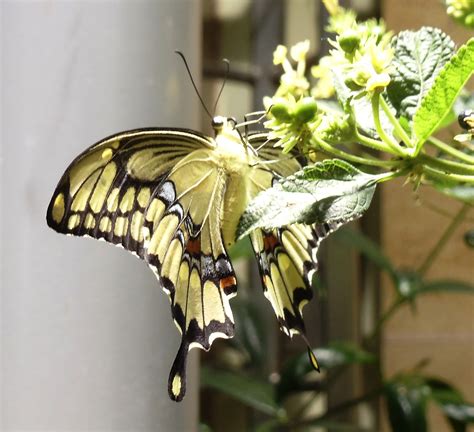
x: 457, y: 411
x: 251, y: 391
x: 297, y: 372
x: 446, y: 286
x: 418, y: 58
x: 329, y: 191
x: 204, y: 428
x: 461, y: 193
x: 368, y: 248
x: 406, y: 403
x: 442, y: 95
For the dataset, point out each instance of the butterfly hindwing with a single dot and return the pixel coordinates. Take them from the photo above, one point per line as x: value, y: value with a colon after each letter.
x: 287, y: 262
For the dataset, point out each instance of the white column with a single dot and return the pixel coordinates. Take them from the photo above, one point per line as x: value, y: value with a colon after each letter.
x: 87, y: 335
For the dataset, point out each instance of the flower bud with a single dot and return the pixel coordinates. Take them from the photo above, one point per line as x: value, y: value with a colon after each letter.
x: 349, y: 41
x: 305, y: 110
x: 280, y: 111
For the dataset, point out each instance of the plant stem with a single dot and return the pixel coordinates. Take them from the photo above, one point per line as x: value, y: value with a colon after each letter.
x: 440, y: 175
x: 373, y: 143
x: 446, y: 148
x: 378, y: 126
x: 396, y: 124
x: 446, y: 164
x: 350, y: 157
x: 443, y: 240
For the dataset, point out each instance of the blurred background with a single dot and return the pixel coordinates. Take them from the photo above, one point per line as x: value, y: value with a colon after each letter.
x: 87, y: 337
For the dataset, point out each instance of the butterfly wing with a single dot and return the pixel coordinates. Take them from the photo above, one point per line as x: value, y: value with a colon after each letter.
x: 155, y: 192
x: 286, y: 256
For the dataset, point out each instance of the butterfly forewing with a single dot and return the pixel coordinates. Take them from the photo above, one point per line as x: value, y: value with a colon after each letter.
x: 155, y: 193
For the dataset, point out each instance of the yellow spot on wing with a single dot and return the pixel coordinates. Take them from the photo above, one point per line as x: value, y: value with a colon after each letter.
x: 83, y: 193
x: 102, y: 187
x: 107, y: 154
x: 171, y: 263
x: 136, y: 226
x: 280, y: 289
x: 176, y: 385
x: 105, y: 224
x: 85, y: 167
x: 291, y: 276
x: 143, y: 197
x: 295, y: 250
x: 112, y: 200
x: 155, y: 210
x: 313, y: 359
x: 182, y: 287
x: 89, y: 222
x: 73, y: 221
x: 58, y: 208
x: 127, y: 200
x: 194, y: 304
x: 213, y: 309
x: 162, y: 236
x: 120, y: 227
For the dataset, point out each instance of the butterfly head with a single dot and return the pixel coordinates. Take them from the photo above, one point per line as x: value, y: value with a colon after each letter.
x: 221, y: 124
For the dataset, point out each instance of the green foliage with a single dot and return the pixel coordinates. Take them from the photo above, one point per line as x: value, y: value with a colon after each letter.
x: 440, y: 98
x: 418, y: 58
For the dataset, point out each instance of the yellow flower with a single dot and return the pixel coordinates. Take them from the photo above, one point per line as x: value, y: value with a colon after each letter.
x: 376, y: 81
x: 298, y: 51
x: 279, y: 55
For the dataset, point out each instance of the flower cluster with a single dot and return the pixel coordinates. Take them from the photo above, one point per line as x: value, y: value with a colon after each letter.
x: 361, y: 55
x: 293, y: 80
x: 462, y: 11
x: 292, y: 111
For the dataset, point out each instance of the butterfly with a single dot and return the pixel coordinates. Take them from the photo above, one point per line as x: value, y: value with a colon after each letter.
x: 174, y: 197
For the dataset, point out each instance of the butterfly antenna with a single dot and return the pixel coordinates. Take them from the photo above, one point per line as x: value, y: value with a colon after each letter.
x: 227, y: 64
x: 192, y: 81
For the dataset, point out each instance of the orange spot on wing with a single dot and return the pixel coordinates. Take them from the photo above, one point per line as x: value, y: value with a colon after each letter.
x: 194, y: 246
x: 227, y: 282
x: 269, y: 242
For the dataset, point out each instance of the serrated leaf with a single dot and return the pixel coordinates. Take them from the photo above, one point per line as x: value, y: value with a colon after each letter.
x: 418, y: 58
x: 329, y: 191
x: 248, y: 390
x: 440, y: 98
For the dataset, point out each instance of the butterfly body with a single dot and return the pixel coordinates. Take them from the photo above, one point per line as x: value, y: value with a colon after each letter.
x: 174, y: 198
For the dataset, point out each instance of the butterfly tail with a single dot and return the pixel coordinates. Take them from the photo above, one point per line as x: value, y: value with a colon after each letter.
x: 177, y: 378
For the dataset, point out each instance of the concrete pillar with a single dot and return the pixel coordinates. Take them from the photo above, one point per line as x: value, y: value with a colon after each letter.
x: 87, y: 335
